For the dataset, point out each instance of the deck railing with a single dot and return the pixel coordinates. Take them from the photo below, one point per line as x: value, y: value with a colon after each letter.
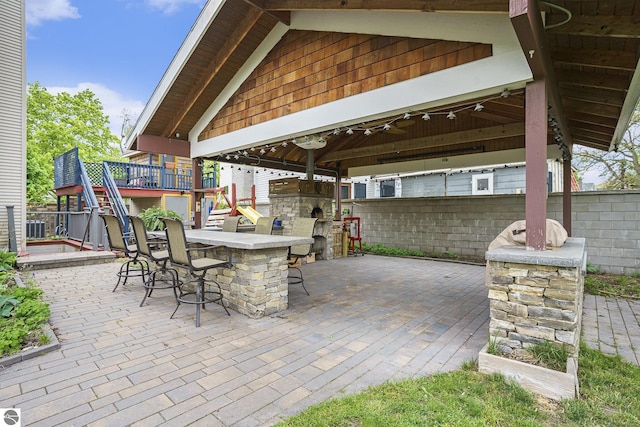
x: 80, y: 226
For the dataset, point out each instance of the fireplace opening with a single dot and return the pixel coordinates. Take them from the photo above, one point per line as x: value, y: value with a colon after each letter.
x: 317, y: 213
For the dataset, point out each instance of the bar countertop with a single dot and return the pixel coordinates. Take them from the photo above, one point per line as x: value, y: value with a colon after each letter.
x: 249, y: 241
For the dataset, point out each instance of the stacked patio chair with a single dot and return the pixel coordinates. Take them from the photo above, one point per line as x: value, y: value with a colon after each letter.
x: 181, y: 256
x: 302, y: 227
x: 134, y: 266
x: 154, y: 250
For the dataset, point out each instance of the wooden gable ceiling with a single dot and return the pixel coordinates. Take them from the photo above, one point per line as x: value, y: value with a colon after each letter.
x: 593, y: 47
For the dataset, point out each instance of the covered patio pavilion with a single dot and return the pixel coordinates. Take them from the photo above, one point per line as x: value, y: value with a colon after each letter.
x: 349, y: 88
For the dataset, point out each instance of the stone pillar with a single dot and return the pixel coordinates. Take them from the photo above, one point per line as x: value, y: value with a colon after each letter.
x: 536, y: 296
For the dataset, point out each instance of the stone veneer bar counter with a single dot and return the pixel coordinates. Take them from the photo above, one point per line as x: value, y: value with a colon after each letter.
x: 256, y: 284
x: 536, y: 296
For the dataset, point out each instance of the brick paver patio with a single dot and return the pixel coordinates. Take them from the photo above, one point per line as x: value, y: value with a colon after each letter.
x: 368, y: 320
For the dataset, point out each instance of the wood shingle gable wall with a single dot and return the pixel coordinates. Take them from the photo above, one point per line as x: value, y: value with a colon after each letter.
x: 307, y: 69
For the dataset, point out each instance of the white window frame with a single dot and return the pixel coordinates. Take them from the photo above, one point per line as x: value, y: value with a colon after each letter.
x: 477, y: 187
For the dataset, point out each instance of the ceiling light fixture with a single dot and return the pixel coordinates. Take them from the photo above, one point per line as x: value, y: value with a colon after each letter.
x: 451, y: 115
x: 312, y: 142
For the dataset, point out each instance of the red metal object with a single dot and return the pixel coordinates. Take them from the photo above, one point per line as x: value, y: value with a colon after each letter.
x: 352, y: 224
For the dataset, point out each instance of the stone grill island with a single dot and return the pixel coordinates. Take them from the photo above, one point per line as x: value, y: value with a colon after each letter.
x: 536, y: 296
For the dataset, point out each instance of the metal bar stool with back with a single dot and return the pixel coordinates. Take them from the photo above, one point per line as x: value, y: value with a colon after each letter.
x: 154, y: 249
x: 180, y: 255
x: 133, y: 266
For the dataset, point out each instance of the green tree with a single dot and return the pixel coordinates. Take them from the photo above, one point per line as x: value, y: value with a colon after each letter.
x: 621, y: 168
x: 58, y: 123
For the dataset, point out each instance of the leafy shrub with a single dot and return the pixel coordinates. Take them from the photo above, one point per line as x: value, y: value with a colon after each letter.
x: 7, y: 260
x: 7, y: 305
x: 152, y: 217
x: 25, y: 317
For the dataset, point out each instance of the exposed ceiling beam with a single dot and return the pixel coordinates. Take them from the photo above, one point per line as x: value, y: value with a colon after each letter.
x: 627, y: 27
x: 419, y: 5
x: 612, y: 60
x: 592, y: 119
x: 596, y: 80
x: 592, y: 95
x: 599, y: 109
x: 284, y: 16
x: 490, y: 133
x: 216, y: 63
x: 527, y: 22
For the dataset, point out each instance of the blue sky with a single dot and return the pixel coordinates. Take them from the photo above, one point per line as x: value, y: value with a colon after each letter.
x: 119, y: 49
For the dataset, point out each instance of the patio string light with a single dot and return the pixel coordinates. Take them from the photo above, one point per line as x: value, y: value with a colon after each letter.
x: 369, y: 128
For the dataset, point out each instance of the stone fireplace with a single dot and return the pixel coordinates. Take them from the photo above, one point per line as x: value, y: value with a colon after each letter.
x: 293, y: 198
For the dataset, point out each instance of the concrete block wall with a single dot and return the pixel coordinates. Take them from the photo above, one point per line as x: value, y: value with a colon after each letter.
x: 465, y: 225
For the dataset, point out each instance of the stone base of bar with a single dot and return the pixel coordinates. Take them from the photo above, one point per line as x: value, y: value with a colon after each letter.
x: 256, y: 285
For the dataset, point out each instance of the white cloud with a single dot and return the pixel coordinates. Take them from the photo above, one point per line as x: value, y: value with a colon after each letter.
x: 38, y: 11
x: 113, y: 103
x: 170, y: 6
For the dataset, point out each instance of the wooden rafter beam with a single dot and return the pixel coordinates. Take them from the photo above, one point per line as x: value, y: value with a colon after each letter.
x: 527, y: 22
x: 484, y: 134
x: 216, y: 63
x: 596, y: 80
x: 418, y: 5
x: 627, y: 27
x: 611, y: 112
x: 592, y: 95
x: 605, y: 59
x: 592, y: 119
x: 282, y: 16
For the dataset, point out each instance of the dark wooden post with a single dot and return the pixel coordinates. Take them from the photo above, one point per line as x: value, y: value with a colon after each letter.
x: 566, y: 195
x: 536, y: 158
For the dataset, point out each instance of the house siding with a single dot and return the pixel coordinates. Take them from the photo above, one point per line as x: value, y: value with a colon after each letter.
x: 12, y: 120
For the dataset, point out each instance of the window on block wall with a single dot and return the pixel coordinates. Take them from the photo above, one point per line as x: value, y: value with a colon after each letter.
x: 388, y: 188
x: 482, y: 184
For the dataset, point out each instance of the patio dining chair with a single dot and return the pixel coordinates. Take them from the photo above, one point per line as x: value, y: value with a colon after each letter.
x: 264, y: 225
x: 133, y: 266
x: 181, y: 255
x: 230, y: 224
x: 302, y: 227
x: 154, y: 250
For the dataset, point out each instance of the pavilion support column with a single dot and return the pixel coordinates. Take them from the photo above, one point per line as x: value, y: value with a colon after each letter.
x: 196, y: 184
x: 536, y: 159
x: 338, y: 195
x: 566, y: 195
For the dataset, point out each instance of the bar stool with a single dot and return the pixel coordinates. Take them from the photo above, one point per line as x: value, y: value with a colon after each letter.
x: 134, y: 266
x: 180, y: 255
x: 264, y: 225
x: 302, y: 227
x: 154, y: 250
